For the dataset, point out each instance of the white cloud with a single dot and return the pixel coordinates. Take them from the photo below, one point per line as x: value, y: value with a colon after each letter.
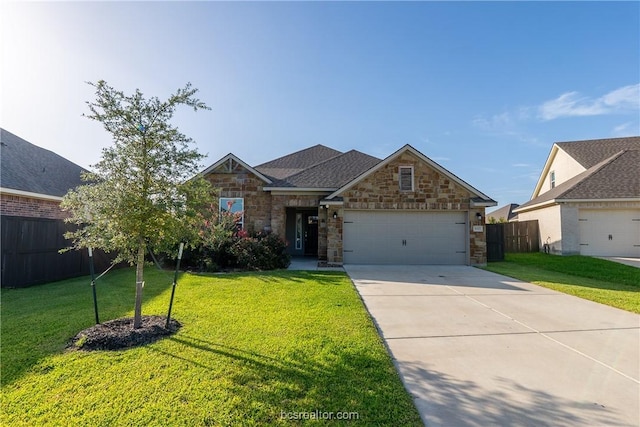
x: 573, y: 104
x: 626, y: 129
x: 520, y: 165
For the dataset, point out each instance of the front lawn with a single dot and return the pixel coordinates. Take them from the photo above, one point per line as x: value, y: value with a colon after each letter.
x: 254, y: 349
x: 595, y: 279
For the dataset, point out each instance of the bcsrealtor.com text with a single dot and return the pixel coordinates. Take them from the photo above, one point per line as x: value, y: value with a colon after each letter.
x: 319, y: 415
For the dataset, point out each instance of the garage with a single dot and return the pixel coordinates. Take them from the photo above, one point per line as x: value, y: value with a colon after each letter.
x: 405, y: 237
x: 610, y: 232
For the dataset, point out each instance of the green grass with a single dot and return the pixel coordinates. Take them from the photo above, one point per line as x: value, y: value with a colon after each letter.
x: 595, y: 279
x: 252, y: 347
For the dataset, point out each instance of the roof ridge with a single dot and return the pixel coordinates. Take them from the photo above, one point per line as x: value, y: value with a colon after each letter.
x: 324, y: 162
x: 296, y: 152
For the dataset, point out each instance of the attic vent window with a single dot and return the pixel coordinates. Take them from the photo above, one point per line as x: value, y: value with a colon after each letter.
x: 552, y: 179
x: 406, y: 178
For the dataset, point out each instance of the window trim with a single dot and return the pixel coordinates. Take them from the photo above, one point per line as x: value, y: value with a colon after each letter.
x: 552, y: 179
x: 400, y: 168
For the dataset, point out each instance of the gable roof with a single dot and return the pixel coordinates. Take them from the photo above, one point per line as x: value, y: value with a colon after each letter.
x: 294, y: 163
x: 505, y: 212
x: 480, y: 198
x: 586, y: 153
x: 617, y: 177
x: 591, y: 152
x: 25, y: 167
x: 332, y: 173
x: 229, y: 159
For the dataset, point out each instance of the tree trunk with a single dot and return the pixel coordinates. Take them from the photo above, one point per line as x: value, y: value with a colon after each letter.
x: 137, y: 318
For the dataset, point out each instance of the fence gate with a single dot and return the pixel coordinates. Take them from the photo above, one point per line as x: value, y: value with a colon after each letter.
x: 512, y: 237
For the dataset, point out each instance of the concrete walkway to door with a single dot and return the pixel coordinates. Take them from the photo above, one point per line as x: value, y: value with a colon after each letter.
x: 475, y: 348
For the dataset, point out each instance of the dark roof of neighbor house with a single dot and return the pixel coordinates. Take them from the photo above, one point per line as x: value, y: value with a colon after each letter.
x: 590, y: 152
x: 616, y: 177
x: 505, y: 212
x: 27, y: 167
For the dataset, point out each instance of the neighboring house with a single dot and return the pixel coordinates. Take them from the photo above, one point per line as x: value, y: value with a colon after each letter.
x: 587, y: 199
x: 354, y: 208
x: 504, y: 214
x: 32, y: 183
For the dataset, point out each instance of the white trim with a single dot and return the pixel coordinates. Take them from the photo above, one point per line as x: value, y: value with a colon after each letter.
x: 482, y: 204
x: 410, y: 167
x: 562, y: 201
x: 545, y: 170
x: 29, y: 194
x: 331, y: 203
x: 422, y: 157
x: 628, y: 199
x: 231, y: 156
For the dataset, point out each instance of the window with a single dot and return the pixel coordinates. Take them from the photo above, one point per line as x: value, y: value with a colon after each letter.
x: 552, y: 179
x: 298, y: 231
x: 233, y: 205
x: 406, y: 178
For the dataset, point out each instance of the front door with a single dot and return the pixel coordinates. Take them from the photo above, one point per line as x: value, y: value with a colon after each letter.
x: 311, y: 234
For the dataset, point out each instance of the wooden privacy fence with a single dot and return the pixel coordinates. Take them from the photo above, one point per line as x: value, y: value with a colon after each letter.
x: 30, y: 253
x: 512, y: 237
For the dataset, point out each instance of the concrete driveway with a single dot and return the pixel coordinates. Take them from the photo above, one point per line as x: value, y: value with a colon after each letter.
x: 476, y: 349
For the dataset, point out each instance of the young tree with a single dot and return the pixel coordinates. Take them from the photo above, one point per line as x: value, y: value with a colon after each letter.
x: 142, y: 193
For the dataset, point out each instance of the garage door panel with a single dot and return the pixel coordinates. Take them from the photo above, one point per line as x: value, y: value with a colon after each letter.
x: 609, y: 232
x: 385, y: 237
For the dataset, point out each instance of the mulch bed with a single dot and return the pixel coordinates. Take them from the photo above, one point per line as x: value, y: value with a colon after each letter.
x: 119, y: 333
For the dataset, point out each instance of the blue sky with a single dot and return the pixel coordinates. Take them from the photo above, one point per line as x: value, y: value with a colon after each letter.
x: 482, y: 88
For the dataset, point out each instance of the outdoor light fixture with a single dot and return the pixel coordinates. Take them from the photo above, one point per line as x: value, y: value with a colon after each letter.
x: 335, y: 214
x: 479, y: 216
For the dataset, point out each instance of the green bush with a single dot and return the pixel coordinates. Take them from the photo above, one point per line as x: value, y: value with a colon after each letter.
x: 225, y: 247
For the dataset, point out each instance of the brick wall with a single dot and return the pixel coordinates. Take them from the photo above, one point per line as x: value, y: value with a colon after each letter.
x: 12, y: 205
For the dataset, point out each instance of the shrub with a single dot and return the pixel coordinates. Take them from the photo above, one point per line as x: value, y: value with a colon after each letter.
x: 262, y: 252
x: 225, y: 247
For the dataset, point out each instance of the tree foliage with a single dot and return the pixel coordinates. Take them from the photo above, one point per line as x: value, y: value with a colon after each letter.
x: 145, y: 192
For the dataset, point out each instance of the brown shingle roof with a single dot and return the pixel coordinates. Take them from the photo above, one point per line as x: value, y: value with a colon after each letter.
x: 293, y: 163
x: 334, y: 172
x: 589, y: 153
x: 616, y: 177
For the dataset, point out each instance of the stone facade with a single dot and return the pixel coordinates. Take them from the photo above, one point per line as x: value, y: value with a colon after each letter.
x: 432, y: 191
x: 239, y: 182
x: 14, y: 205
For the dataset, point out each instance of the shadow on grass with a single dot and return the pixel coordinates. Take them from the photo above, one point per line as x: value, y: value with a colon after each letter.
x: 39, y: 321
x: 536, y: 274
x: 351, y: 381
x: 447, y: 400
x: 276, y: 276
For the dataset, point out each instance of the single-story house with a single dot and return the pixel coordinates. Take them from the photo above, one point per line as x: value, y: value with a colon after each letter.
x: 357, y: 209
x: 503, y: 214
x: 587, y: 199
x: 32, y: 183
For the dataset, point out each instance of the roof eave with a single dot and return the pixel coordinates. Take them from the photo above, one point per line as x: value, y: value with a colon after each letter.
x: 422, y: 157
x: 238, y: 160
x: 14, y: 192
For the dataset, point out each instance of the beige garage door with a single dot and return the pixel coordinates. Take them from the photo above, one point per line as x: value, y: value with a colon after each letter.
x: 392, y: 237
x: 610, y: 232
